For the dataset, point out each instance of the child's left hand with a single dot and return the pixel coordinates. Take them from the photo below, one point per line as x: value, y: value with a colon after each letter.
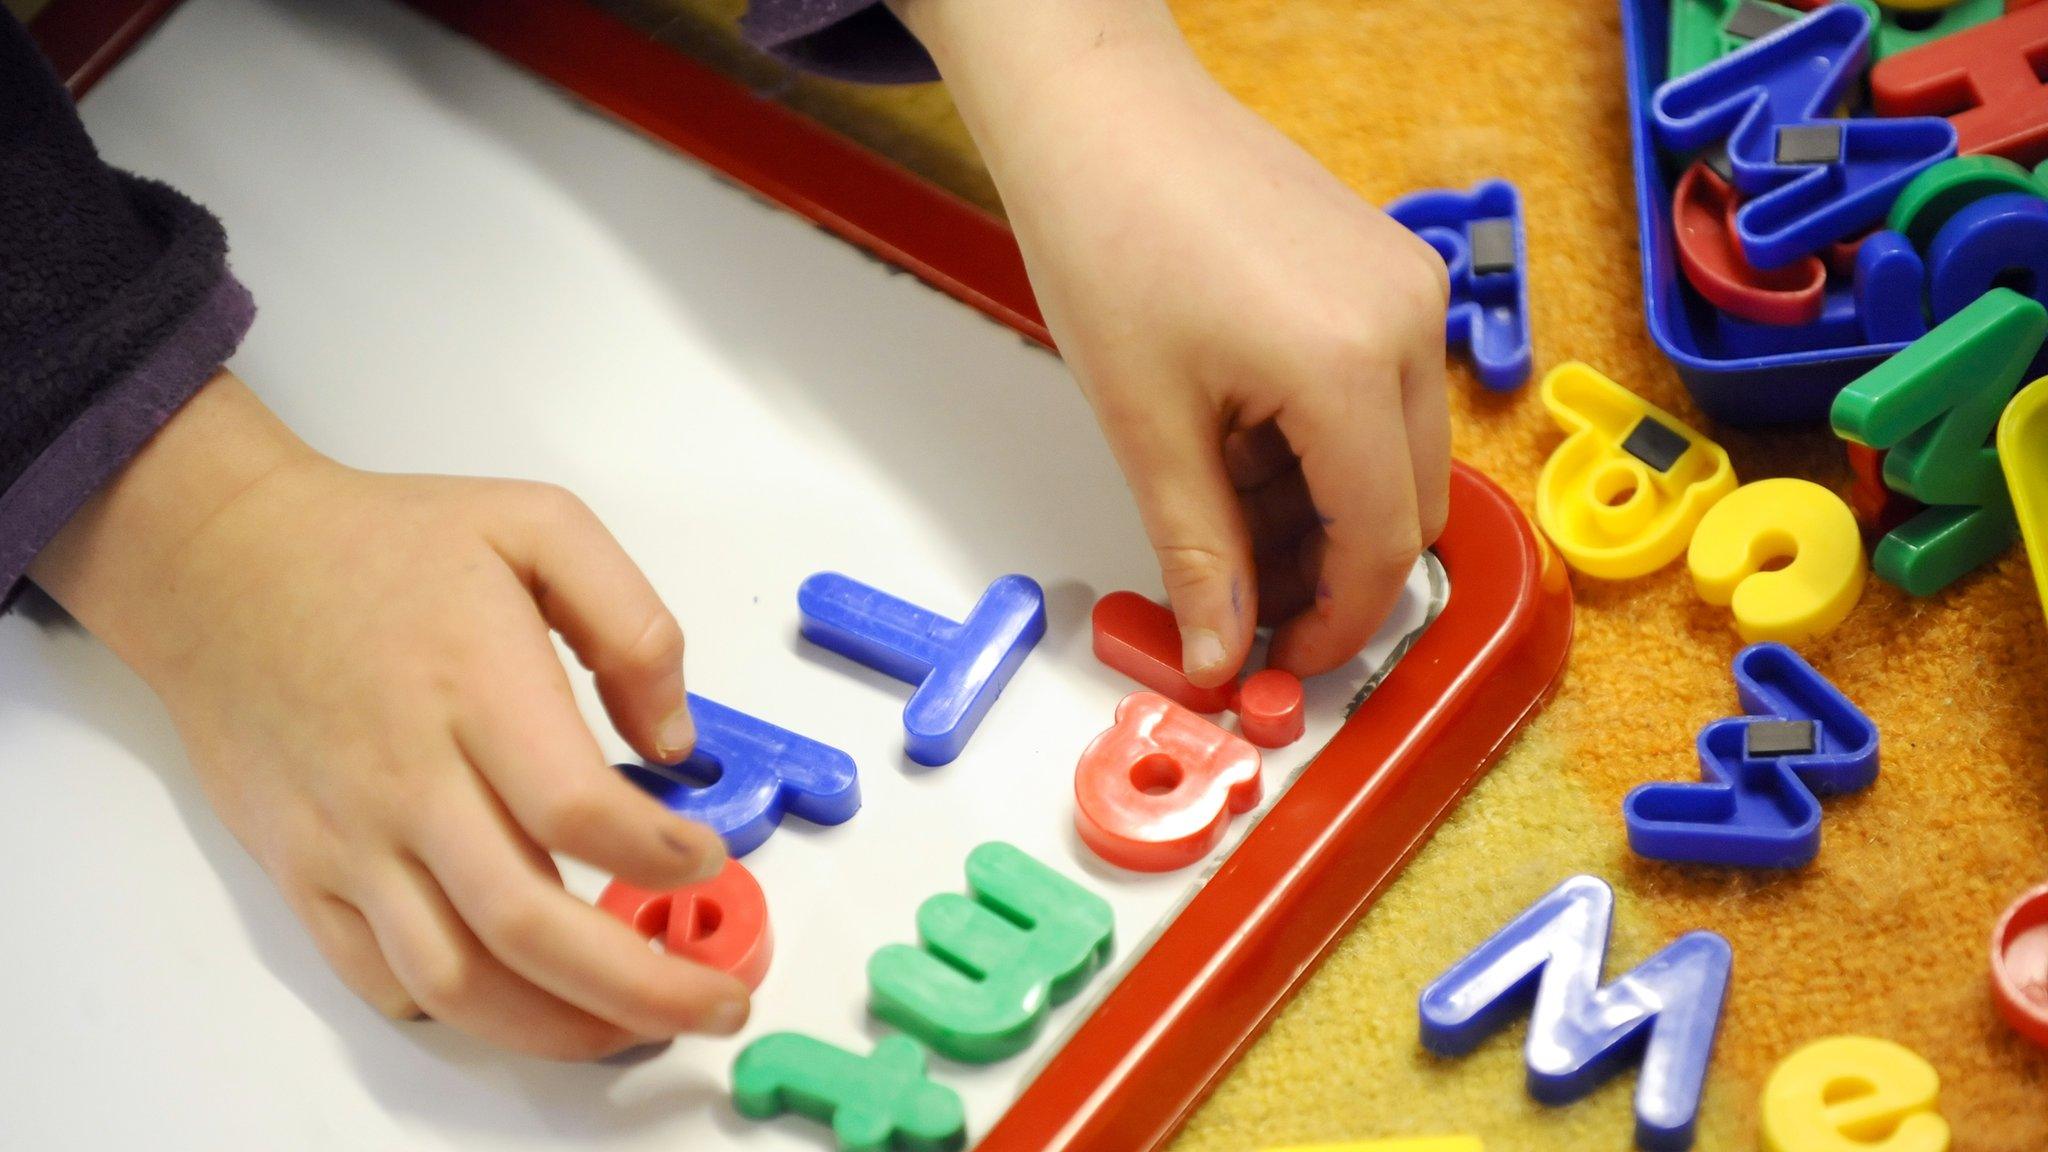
x: 1264, y: 349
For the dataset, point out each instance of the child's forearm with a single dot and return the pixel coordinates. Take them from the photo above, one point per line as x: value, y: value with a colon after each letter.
x: 1016, y: 71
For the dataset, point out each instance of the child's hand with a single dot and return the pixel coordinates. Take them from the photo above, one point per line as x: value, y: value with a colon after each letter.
x: 361, y: 669
x: 1265, y: 351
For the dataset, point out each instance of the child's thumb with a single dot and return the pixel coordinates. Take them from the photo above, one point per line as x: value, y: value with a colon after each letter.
x: 1197, y: 529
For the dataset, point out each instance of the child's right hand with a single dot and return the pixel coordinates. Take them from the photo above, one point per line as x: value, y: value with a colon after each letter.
x: 360, y: 667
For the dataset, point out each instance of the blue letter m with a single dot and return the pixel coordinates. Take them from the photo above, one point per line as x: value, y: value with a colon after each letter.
x: 1580, y: 1033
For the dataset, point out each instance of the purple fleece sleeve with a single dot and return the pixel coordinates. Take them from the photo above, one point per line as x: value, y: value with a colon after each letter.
x: 116, y: 304
x: 859, y: 40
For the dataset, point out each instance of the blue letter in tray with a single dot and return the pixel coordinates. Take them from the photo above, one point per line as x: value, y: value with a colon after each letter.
x: 1808, y: 179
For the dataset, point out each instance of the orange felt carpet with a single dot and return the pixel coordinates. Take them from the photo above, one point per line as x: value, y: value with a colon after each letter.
x: 1886, y: 934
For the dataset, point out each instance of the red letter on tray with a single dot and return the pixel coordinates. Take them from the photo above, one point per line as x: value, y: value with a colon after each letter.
x: 1156, y: 792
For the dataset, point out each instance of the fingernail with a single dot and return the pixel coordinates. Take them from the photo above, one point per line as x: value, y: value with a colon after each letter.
x: 703, y: 865
x: 691, y: 853
x: 1200, y: 650
x: 675, y: 736
x: 726, y: 1017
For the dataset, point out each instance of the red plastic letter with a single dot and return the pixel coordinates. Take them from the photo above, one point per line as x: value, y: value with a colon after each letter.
x: 1703, y: 217
x: 1140, y: 639
x: 1157, y: 790
x: 721, y: 923
x: 1982, y: 79
x: 1269, y: 708
x: 1878, y: 509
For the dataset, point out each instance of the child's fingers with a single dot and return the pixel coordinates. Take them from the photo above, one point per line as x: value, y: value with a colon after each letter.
x: 1423, y: 389
x: 1287, y: 581
x: 1280, y: 513
x: 610, y: 616
x: 450, y: 974
x: 563, y: 945
x: 1255, y: 456
x: 1176, y: 471
x: 1428, y: 422
x: 526, y: 738
x: 345, y: 939
x: 1357, y: 464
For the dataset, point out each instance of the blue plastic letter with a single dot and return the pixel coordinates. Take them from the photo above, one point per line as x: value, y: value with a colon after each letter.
x: 1891, y: 286
x: 1580, y: 1032
x: 1999, y: 241
x: 1801, y: 738
x: 1811, y: 180
x: 745, y: 773
x: 959, y: 669
x: 1479, y: 235
x: 1841, y: 325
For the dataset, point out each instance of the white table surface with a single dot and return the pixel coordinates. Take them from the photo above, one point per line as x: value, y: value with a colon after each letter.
x: 461, y: 271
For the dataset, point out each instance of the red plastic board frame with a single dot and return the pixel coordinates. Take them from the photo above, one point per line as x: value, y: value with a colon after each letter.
x: 1130, y: 1074
x: 86, y: 38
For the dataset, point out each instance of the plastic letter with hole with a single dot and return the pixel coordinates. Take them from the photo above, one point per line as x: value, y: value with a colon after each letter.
x: 1998, y: 241
x: 1668, y: 1008
x: 1621, y: 495
x: 1853, y: 1094
x: 721, y: 923
x: 1157, y: 789
x: 1939, y: 193
x: 1796, y: 522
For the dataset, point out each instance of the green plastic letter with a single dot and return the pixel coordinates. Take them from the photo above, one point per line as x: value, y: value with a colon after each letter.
x: 992, y: 965
x: 1934, y: 408
x: 878, y: 1103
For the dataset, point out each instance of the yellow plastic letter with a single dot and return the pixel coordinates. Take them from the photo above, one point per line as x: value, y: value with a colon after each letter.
x: 1853, y: 1094
x: 1784, y: 554
x: 1622, y: 494
x: 2023, y: 453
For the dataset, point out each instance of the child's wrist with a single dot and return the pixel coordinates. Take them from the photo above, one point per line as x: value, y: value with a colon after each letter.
x: 1026, y: 76
x: 114, y: 565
